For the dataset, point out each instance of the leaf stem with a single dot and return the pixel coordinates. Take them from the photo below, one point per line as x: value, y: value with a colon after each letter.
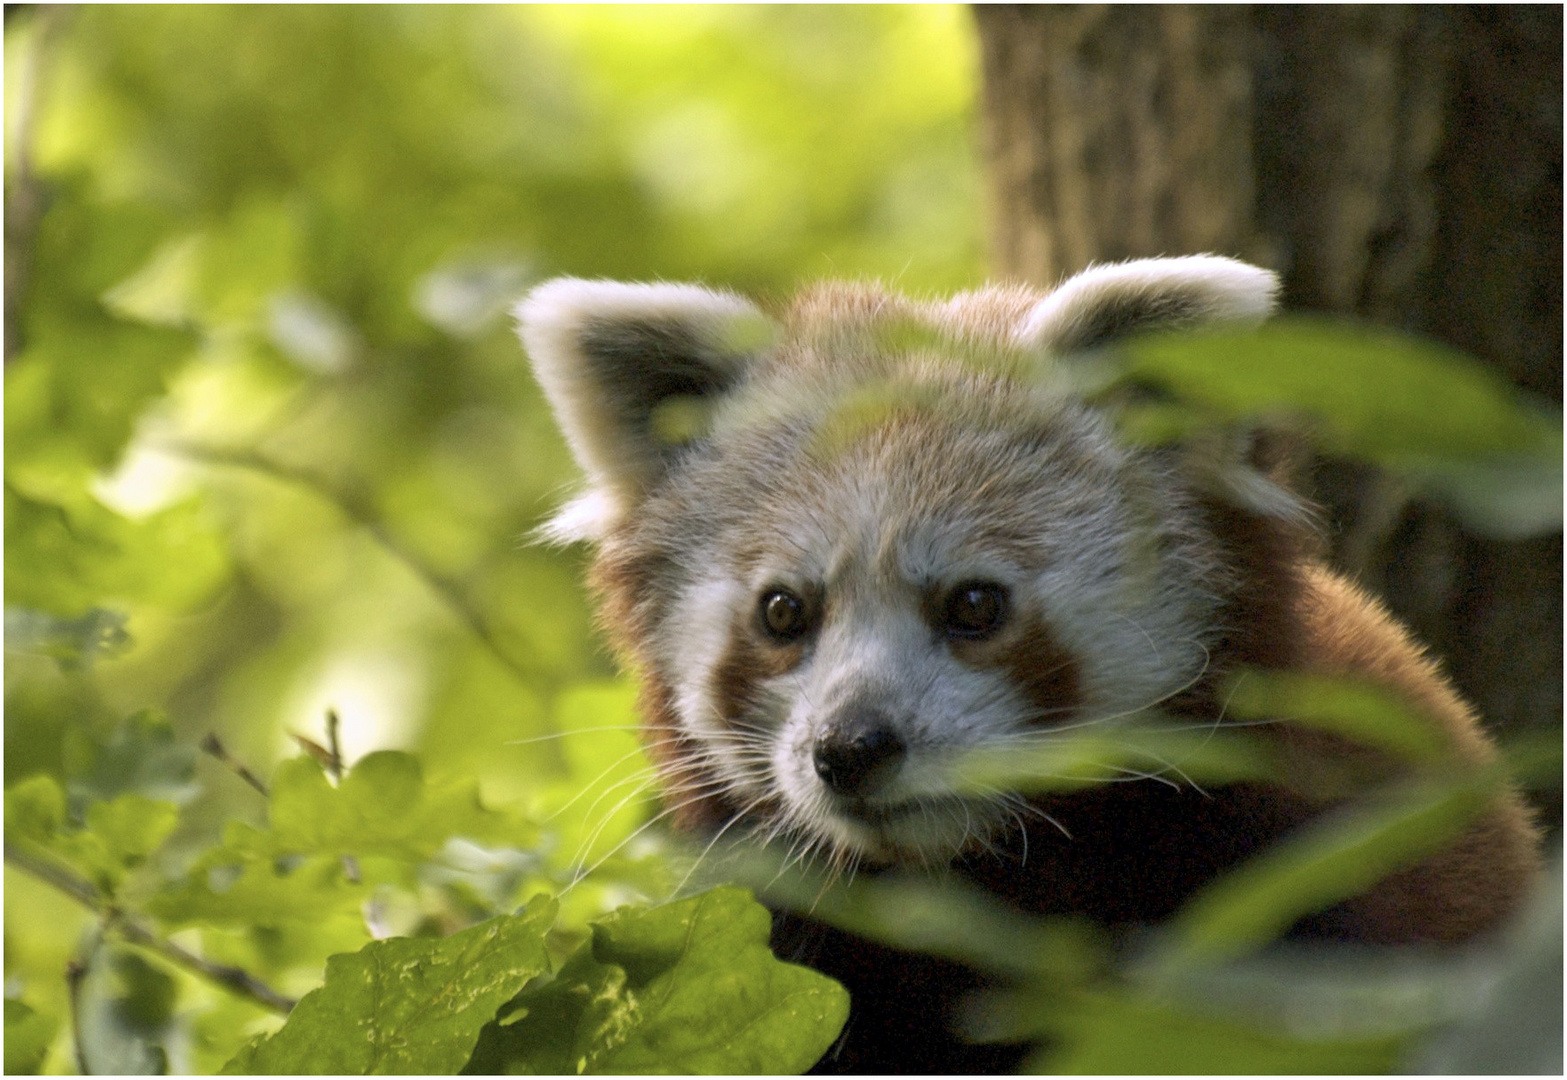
x: 75, y: 972
x: 333, y: 746
x: 135, y: 932
x: 214, y: 746
x: 357, y: 509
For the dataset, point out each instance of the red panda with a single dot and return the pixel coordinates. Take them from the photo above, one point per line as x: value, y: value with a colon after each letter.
x: 847, y: 542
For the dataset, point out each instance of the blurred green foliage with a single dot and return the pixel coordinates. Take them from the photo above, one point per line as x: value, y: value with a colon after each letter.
x: 271, y: 448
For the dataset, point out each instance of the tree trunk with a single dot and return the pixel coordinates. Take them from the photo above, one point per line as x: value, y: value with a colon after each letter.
x: 1401, y: 164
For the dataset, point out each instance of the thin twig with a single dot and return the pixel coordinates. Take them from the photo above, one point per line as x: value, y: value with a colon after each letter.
x: 358, y: 510
x: 334, y: 748
x: 75, y: 972
x: 330, y: 757
x: 334, y: 764
x: 135, y: 932
x: 214, y: 746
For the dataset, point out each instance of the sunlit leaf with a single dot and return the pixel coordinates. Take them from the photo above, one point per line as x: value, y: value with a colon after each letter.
x: 1373, y: 392
x: 556, y: 1029
x: 311, y: 333
x: 35, y: 808
x: 118, y: 835
x: 467, y: 298
x: 688, y: 987
x: 383, y: 806
x: 68, y: 558
x: 407, y: 1005
x: 224, y: 889
x: 132, y: 826
x: 711, y: 997
x: 601, y: 802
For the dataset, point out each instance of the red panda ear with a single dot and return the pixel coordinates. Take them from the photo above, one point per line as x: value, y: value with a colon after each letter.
x: 1104, y: 303
x: 616, y: 362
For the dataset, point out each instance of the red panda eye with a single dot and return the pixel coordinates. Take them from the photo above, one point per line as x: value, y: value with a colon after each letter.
x: 783, y: 614
x: 975, y: 609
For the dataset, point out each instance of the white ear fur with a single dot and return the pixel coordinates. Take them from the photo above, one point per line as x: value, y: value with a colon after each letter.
x: 606, y: 354
x: 1106, y: 302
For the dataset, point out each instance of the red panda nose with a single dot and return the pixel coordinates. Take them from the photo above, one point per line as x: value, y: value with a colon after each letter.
x: 858, y: 754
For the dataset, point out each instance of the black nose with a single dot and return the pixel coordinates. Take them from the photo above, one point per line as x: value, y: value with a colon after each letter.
x: 858, y: 753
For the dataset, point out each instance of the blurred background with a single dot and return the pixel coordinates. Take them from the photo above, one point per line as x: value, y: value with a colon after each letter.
x: 272, y: 448
x: 272, y: 445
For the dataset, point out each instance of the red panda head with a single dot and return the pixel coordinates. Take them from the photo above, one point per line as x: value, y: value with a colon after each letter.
x: 850, y: 543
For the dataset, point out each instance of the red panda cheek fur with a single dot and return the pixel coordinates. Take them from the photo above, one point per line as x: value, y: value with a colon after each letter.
x: 623, y: 577
x: 1044, y: 671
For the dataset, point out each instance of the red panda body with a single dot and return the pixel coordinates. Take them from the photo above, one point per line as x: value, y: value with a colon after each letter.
x: 849, y: 544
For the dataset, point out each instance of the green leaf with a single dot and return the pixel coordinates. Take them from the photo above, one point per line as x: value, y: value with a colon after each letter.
x: 406, y: 1005
x: 1447, y: 423
x: 34, y: 808
x: 126, y: 1014
x: 397, y: 828
x: 1375, y: 392
x: 710, y: 996
x: 67, y: 554
x: 224, y: 890
x: 35, y: 818
x: 119, y: 834
x: 383, y: 806
x: 555, y: 1028
x: 1361, y: 711
x: 1505, y: 500
x: 687, y: 987
x: 942, y: 917
x: 27, y: 1037
x: 74, y: 394
x: 1331, y: 859
x: 139, y: 756
x: 132, y: 826
x: 1108, y: 752
x: 74, y: 643
x: 1126, y: 1035
x: 599, y: 804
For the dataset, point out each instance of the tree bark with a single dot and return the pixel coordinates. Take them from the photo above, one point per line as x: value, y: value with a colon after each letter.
x: 1401, y: 164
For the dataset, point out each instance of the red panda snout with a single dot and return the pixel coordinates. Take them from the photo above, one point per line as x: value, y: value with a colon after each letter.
x: 858, y: 753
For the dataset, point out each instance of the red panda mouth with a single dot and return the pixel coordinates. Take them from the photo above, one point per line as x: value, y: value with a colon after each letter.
x: 873, y: 814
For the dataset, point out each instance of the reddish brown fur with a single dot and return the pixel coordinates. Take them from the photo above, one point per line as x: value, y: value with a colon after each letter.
x: 1291, y: 613
x: 1037, y: 663
x: 749, y: 661
x: 1473, y: 883
x: 621, y: 582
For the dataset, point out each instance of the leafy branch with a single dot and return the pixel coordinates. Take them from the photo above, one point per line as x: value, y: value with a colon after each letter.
x: 357, y: 509
x: 25, y: 195
x: 138, y: 933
